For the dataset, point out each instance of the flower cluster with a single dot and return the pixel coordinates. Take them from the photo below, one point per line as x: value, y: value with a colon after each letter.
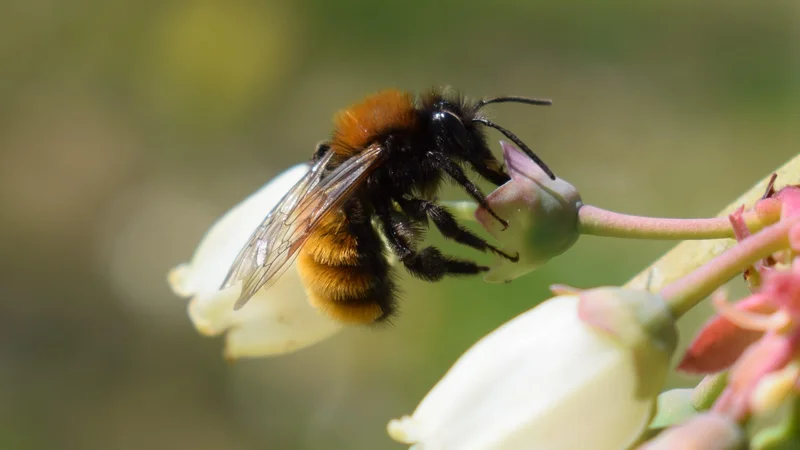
x: 756, y: 340
x: 586, y: 368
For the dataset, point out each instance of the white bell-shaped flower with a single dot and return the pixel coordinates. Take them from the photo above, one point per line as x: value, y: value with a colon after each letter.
x: 278, y: 320
x: 550, y: 380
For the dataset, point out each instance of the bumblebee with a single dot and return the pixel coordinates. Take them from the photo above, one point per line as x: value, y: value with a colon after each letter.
x: 378, y: 174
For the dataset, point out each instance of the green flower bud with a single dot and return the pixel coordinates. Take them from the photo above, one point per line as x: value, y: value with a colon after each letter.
x: 542, y: 216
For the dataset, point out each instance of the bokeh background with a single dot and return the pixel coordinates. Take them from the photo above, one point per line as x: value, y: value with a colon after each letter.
x: 127, y: 127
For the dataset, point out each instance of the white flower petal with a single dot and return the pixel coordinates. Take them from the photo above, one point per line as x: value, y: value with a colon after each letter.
x: 275, y: 321
x: 544, y: 380
x: 278, y: 321
x: 227, y: 236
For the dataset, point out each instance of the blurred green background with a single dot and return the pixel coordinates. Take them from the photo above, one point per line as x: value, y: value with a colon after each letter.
x: 126, y: 127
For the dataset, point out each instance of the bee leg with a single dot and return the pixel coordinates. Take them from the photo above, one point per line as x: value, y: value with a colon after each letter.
x: 428, y: 264
x: 320, y: 151
x: 449, y: 227
x: 490, y: 169
x: 486, y: 165
x: 455, y: 172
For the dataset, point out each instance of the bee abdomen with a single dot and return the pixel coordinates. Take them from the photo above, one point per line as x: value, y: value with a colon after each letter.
x: 345, y: 272
x: 332, y: 247
x: 352, y: 294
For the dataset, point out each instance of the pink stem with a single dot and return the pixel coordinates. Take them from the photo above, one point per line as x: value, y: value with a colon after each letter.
x: 686, y: 292
x: 600, y: 222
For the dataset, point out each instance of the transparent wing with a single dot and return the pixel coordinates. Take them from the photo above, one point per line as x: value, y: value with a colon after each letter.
x: 275, y: 243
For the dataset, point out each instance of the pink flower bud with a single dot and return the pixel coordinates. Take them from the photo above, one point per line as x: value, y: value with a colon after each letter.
x: 542, y: 216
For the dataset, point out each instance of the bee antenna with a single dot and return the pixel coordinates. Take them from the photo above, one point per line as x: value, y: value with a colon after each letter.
x: 514, y: 99
x: 519, y: 144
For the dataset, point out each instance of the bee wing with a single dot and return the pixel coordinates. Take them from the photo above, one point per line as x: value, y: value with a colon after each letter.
x: 274, y: 245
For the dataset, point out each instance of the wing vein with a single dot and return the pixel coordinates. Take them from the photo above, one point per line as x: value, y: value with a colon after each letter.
x: 275, y: 243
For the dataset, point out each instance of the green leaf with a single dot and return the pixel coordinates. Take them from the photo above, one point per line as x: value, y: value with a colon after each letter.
x: 672, y: 408
x: 783, y: 436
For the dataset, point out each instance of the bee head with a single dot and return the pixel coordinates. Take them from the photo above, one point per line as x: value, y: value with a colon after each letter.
x: 455, y: 122
x: 448, y: 124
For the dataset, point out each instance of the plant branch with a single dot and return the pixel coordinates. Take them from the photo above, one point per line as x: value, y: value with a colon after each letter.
x: 685, y: 293
x: 688, y: 256
x: 600, y: 222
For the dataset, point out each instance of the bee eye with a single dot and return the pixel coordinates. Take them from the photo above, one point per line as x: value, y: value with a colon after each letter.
x: 452, y: 126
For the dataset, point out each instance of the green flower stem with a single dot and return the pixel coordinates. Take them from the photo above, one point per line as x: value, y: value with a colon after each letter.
x: 684, y: 294
x: 600, y: 222
x: 706, y: 392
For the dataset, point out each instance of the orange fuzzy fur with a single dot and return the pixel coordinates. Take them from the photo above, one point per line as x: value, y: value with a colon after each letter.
x: 359, y: 125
